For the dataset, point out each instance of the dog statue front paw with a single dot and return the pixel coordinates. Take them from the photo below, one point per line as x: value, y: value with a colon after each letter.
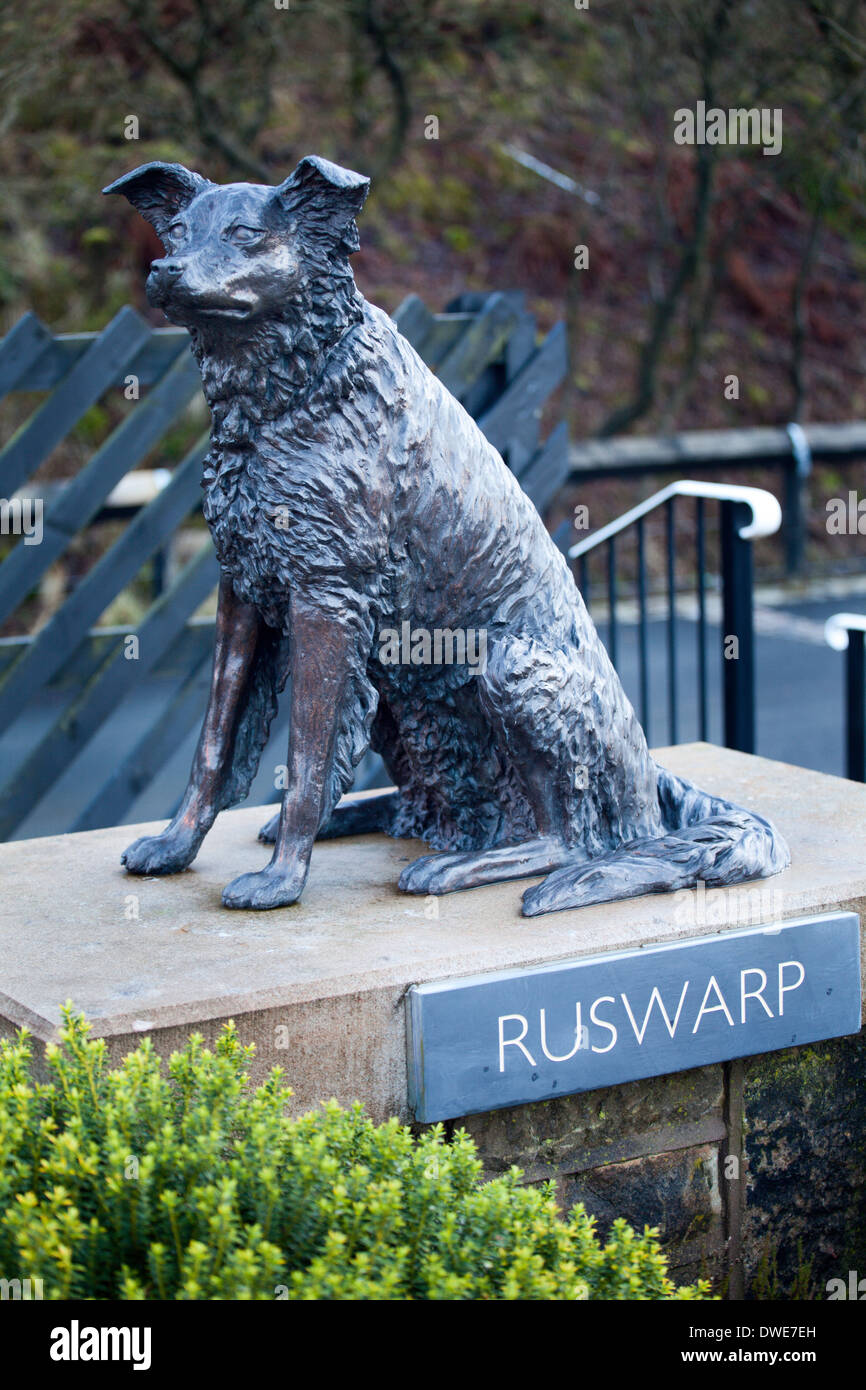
x: 167, y: 853
x: 271, y: 887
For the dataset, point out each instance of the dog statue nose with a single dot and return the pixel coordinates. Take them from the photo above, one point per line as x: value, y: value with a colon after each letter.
x: 170, y: 269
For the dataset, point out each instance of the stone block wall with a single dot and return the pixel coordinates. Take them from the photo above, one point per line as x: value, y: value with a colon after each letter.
x: 752, y: 1171
x: 804, y: 1214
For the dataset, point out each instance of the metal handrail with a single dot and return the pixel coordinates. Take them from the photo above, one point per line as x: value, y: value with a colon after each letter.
x: 837, y: 628
x: 766, y: 512
x: 746, y: 513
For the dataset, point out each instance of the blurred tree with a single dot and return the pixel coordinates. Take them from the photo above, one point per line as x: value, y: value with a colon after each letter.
x: 241, y: 89
x: 827, y: 167
x: 191, y: 42
x: 721, y: 54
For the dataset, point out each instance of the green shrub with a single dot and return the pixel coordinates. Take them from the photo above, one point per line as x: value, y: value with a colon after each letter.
x: 142, y: 1182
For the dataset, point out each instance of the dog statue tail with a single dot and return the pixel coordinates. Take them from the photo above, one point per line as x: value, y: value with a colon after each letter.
x: 707, y: 838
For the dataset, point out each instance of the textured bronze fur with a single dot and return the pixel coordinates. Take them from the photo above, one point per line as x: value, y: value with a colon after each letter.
x: 347, y: 493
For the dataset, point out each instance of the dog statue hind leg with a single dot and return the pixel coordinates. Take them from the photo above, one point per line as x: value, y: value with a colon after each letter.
x: 710, y: 839
x: 361, y: 817
x: 612, y: 823
x: 532, y: 695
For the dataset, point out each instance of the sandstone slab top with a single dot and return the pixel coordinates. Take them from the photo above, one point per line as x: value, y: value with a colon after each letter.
x: 135, y: 954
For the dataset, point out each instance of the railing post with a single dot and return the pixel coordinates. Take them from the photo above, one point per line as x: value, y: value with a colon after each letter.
x: 738, y: 659
x: 796, y: 478
x: 855, y: 715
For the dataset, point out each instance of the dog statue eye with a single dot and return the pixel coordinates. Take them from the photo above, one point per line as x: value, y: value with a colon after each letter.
x: 245, y: 236
x: 177, y: 230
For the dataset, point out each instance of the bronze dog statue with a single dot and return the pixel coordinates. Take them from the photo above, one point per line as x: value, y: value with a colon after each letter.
x: 349, y: 494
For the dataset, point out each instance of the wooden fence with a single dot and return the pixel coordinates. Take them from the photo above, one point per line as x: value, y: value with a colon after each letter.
x: 486, y: 350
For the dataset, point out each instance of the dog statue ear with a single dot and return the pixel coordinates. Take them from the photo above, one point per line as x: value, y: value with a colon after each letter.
x: 326, y: 198
x: 159, y: 191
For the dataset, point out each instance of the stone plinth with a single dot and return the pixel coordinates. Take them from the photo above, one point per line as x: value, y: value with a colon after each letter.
x: 319, y: 987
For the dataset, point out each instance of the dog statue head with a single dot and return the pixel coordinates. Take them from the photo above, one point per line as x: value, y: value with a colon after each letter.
x: 240, y: 252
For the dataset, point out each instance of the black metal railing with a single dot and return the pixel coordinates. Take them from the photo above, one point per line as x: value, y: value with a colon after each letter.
x: 793, y: 451
x: 847, y: 632
x: 743, y: 515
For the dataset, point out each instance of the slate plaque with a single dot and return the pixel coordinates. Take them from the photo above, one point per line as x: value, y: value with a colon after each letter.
x: 486, y: 1041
